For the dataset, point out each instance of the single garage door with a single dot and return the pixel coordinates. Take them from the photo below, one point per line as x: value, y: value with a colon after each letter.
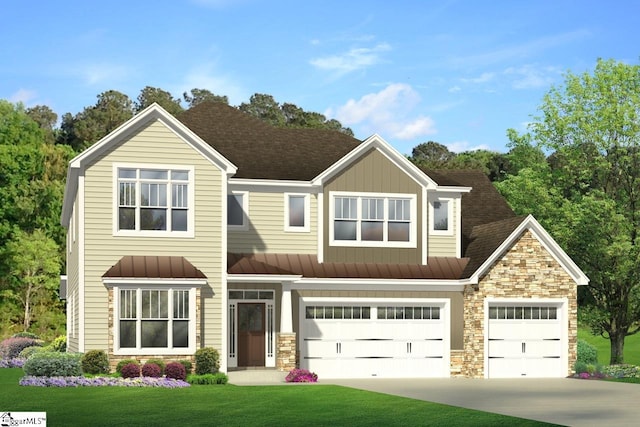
x: 374, y: 340
x: 525, y: 341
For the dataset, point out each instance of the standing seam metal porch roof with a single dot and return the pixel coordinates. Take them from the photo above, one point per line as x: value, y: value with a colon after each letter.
x: 154, y: 267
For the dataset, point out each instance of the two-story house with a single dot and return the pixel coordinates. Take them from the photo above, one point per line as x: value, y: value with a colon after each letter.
x: 309, y: 248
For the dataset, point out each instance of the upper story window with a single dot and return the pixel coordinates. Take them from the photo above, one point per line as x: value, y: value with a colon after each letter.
x: 152, y: 201
x: 237, y: 210
x: 442, y: 216
x: 369, y: 219
x: 296, y: 212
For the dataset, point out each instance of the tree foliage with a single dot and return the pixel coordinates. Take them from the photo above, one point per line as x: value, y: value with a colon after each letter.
x: 592, y: 125
x: 197, y: 96
x: 149, y: 95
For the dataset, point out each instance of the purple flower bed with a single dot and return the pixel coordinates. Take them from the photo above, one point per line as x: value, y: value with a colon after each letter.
x: 101, y: 381
x: 16, y: 362
x: 301, y: 376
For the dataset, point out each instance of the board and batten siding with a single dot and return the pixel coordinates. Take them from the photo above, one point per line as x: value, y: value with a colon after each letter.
x: 445, y: 245
x: 456, y: 316
x: 266, y: 227
x: 155, y: 144
x: 373, y: 173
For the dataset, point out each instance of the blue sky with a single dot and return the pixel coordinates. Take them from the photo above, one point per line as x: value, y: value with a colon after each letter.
x: 457, y: 72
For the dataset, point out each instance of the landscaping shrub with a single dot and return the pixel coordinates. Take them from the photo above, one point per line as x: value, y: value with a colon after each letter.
x: 130, y: 370
x: 158, y: 362
x: 59, y: 344
x: 11, y: 347
x: 301, y: 376
x: 207, y: 361
x: 25, y: 335
x: 580, y: 367
x: 95, y: 362
x: 175, y: 370
x: 53, y: 364
x: 27, y: 352
x: 151, y: 370
x: 587, y: 353
x: 124, y: 362
x: 188, y: 366
x: 208, y: 379
x: 622, y: 371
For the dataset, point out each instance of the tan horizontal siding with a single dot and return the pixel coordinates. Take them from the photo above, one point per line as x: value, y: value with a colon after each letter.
x: 266, y: 228
x: 440, y: 245
x: 153, y: 145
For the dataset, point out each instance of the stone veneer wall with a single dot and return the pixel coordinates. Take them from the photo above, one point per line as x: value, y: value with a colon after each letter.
x: 457, y: 361
x: 526, y: 270
x: 285, y: 351
x: 114, y: 359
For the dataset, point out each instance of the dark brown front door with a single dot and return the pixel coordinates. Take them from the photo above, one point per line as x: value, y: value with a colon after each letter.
x: 251, y: 334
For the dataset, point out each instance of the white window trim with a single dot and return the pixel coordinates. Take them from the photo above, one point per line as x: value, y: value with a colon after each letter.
x: 155, y: 233
x: 142, y: 351
x: 245, y: 211
x: 451, y: 206
x: 413, y: 224
x: 307, y: 213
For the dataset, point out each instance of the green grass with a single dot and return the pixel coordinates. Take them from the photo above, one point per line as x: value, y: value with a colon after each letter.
x: 631, y: 347
x: 228, y: 405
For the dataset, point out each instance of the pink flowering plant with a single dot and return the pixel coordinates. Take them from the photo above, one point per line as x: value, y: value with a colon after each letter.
x: 80, y: 381
x: 301, y: 376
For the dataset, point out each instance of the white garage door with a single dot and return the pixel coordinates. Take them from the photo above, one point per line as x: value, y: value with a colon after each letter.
x: 374, y: 340
x: 525, y: 341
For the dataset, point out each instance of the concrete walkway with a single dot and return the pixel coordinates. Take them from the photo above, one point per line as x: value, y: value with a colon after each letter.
x: 570, y: 402
x: 562, y: 401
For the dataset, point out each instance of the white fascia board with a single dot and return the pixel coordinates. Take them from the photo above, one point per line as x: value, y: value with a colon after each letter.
x: 377, y: 142
x: 262, y: 278
x: 272, y: 185
x: 452, y: 189
x: 152, y: 112
x: 531, y: 224
x: 137, y: 281
x: 380, y: 285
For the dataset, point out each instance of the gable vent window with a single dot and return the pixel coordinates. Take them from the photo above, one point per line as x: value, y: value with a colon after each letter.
x: 363, y: 220
x: 153, y: 200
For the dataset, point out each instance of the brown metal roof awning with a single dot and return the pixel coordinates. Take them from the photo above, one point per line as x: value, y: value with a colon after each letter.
x: 447, y: 268
x: 154, y: 267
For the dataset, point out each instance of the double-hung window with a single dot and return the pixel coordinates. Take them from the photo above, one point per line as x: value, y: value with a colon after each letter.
x: 154, y: 201
x: 160, y: 320
x: 373, y: 219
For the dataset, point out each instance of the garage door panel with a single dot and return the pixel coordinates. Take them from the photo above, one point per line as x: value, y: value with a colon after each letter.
x: 427, y: 348
x: 319, y: 347
x: 543, y: 348
x: 505, y: 348
x: 504, y: 367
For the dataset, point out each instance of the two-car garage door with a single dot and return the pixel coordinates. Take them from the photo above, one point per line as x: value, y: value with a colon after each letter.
x: 526, y: 340
x: 367, y: 339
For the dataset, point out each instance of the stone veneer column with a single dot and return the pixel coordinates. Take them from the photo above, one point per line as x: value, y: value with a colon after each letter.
x: 526, y: 270
x: 285, y: 351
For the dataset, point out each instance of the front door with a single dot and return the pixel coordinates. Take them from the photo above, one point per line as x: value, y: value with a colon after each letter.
x: 251, y: 333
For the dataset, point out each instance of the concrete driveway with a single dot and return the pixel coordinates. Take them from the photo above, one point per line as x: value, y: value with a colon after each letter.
x: 561, y: 401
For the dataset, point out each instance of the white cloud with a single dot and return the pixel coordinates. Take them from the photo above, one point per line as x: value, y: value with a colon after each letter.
x: 100, y: 72
x: 461, y: 146
x: 455, y: 89
x: 531, y: 77
x: 387, y: 112
x: 482, y: 78
x: 354, y: 59
x: 25, y: 96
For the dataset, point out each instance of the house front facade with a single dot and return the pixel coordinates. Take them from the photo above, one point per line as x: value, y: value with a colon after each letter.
x: 305, y: 248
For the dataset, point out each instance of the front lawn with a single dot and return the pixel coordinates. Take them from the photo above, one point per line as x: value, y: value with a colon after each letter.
x: 286, y: 405
x: 631, y: 347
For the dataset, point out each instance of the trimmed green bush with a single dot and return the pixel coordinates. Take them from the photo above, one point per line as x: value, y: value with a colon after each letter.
x: 53, y: 364
x: 124, y: 362
x: 58, y: 344
x: 580, y: 367
x: 208, y: 379
x: 95, y: 362
x: 25, y: 335
x: 158, y: 362
x: 587, y: 353
x: 29, y: 351
x: 207, y: 361
x: 188, y: 366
